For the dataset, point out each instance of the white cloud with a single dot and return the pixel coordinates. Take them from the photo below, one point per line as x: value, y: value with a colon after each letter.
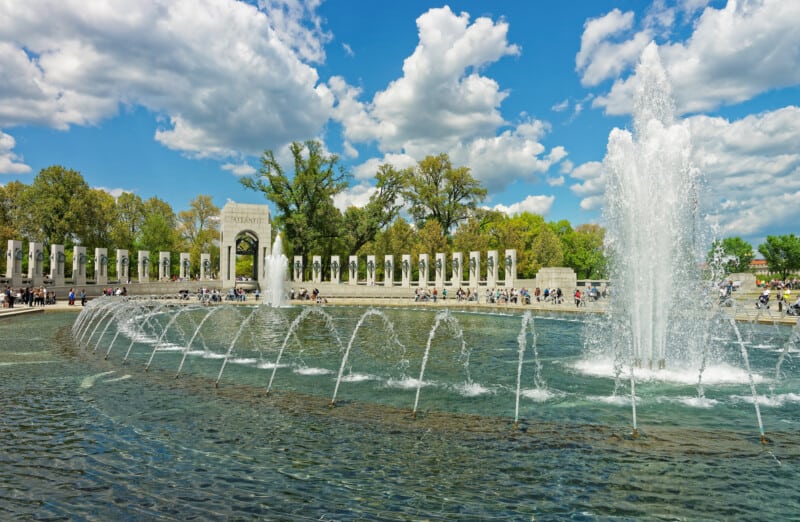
x: 228, y: 77
x: 560, y: 106
x: 115, y: 192
x: 442, y: 103
x: 534, y: 204
x: 9, y: 161
x: 348, y: 50
x: 751, y: 167
x: 240, y: 169
x: 733, y: 54
x: 366, y: 171
x: 354, y: 196
x: 598, y: 58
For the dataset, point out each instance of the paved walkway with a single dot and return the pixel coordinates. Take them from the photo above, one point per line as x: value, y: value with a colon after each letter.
x: 746, y: 311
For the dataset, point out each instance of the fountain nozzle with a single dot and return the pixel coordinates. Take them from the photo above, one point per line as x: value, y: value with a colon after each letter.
x: 516, y: 425
x: 635, y: 434
x: 764, y: 439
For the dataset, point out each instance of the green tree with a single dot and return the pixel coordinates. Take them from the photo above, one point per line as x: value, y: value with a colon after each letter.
x: 363, y: 223
x: 199, y: 229
x: 735, y: 253
x: 437, y: 191
x: 100, y: 210
x: 129, y: 216
x: 56, y: 207
x: 159, y: 228
x: 9, y: 209
x: 548, y: 249
x: 304, y: 203
x: 583, y: 251
x: 782, y: 254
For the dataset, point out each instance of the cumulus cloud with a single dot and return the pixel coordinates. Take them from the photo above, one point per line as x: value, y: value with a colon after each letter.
x: 599, y: 58
x: 751, y: 167
x: 239, y: 169
x: 732, y: 54
x: 115, y: 192
x: 228, y: 77
x: 354, y: 196
x: 534, y: 204
x: 442, y: 103
x: 9, y: 161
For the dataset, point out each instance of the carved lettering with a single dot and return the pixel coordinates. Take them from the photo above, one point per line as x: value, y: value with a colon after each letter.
x: 247, y: 220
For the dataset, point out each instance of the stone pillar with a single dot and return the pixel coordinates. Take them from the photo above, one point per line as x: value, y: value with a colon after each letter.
x: 352, y: 269
x: 164, y: 261
x: 144, y: 266
x: 57, y: 263
x: 458, y: 269
x: 336, y: 270
x: 372, y: 268
x: 35, y: 263
x: 123, y: 266
x: 406, y: 267
x: 440, y: 269
x: 184, y: 270
x: 101, y: 266
x: 297, y: 269
x: 205, y: 267
x: 511, y: 268
x: 423, y: 270
x: 316, y: 269
x: 388, y: 270
x: 79, y: 265
x: 492, y: 267
x: 14, y: 258
x: 474, y: 269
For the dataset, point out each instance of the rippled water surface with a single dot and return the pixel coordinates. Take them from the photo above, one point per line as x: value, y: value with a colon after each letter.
x: 82, y: 437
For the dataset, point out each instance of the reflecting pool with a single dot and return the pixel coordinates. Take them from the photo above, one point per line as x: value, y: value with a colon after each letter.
x: 90, y: 437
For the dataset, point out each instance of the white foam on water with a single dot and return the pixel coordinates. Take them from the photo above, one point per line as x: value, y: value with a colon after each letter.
x: 358, y: 377
x: 123, y: 378
x: 538, y: 394
x: 613, y: 400
x: 270, y: 366
x: 312, y: 371
x: 213, y: 355
x: 407, y: 384
x: 89, y: 381
x: 472, y: 389
x: 695, y: 402
x: 243, y: 360
x: 25, y: 362
x: 718, y: 373
x: 775, y: 401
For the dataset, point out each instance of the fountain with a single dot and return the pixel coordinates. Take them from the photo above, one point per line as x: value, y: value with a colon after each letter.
x: 275, y: 265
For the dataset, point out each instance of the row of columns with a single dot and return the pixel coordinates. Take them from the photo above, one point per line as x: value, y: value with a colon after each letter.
x: 80, y: 262
x: 439, y: 268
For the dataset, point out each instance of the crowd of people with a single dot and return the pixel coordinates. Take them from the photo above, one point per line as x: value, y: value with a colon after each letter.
x: 511, y: 295
x: 28, y: 296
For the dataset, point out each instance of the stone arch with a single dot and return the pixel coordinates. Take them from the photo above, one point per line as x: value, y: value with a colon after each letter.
x: 244, y: 229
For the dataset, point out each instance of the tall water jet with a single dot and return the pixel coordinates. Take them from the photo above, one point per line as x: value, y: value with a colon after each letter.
x: 654, y: 238
x: 275, y: 265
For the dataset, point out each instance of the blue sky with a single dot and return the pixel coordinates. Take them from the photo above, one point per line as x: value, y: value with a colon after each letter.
x: 178, y: 98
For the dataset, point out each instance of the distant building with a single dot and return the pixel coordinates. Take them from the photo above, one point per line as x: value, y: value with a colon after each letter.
x: 759, y: 266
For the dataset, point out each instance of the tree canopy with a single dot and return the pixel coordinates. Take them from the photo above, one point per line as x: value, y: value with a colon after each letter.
x: 435, y: 190
x: 782, y: 254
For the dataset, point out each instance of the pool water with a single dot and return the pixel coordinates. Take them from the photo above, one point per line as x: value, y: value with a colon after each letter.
x: 84, y: 437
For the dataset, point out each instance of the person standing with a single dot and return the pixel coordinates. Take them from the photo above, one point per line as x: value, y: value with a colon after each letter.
x: 71, y: 297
